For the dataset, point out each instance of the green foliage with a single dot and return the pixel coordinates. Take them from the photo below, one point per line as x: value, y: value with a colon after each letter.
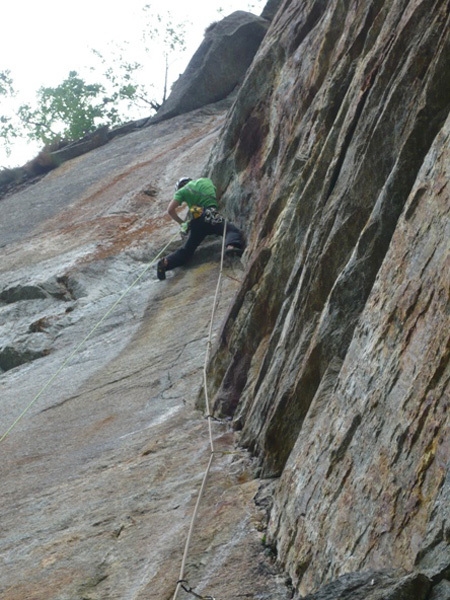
x: 8, y: 126
x: 76, y: 107
x: 167, y: 32
x: 119, y: 75
x: 169, y: 36
x: 7, y: 129
x: 6, y: 83
x: 68, y: 111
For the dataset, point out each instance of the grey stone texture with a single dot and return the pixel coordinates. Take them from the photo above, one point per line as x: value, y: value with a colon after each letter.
x: 328, y: 372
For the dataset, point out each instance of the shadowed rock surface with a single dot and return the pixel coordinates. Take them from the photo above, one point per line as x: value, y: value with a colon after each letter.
x: 330, y: 364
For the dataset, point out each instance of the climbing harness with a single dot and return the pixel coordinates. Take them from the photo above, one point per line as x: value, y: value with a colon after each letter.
x: 210, y: 214
x: 83, y: 341
x: 213, y: 216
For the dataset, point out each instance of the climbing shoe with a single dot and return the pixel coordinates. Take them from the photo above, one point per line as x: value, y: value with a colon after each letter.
x: 233, y: 251
x: 161, y: 269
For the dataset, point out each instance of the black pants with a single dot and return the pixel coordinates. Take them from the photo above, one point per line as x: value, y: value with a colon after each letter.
x: 210, y: 223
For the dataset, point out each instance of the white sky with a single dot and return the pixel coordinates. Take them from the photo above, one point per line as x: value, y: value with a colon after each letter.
x: 42, y: 40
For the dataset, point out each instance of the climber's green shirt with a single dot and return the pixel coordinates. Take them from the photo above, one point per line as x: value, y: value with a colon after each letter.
x: 199, y: 192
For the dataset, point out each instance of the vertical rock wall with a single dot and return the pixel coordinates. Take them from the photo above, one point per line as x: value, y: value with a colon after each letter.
x: 334, y: 357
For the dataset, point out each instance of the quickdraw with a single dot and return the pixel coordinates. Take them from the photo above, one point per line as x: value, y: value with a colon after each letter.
x: 185, y: 585
x: 213, y: 216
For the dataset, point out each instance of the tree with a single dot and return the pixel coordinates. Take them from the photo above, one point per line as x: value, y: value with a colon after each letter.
x: 6, y: 83
x: 8, y: 127
x: 161, y: 39
x: 119, y: 74
x: 80, y: 105
x: 170, y: 37
x: 75, y: 108
x: 65, y: 112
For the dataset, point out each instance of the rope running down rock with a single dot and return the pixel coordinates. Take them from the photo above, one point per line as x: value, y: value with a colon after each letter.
x: 84, y: 340
x: 181, y: 579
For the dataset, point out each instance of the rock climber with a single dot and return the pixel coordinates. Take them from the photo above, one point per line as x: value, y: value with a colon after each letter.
x: 200, y: 197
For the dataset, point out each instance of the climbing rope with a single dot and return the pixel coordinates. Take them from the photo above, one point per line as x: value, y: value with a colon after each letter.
x: 181, y: 579
x: 181, y: 583
x: 209, y: 342
x: 84, y: 340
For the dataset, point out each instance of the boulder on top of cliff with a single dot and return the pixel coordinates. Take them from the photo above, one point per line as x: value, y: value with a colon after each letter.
x: 218, y: 66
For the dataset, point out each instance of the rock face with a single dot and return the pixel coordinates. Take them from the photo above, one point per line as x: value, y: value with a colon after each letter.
x: 334, y: 359
x: 329, y: 371
x: 101, y: 474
